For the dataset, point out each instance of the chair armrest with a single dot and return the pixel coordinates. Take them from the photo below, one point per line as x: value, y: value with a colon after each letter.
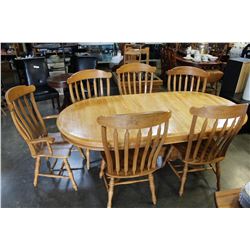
x: 50, y: 117
x: 43, y: 139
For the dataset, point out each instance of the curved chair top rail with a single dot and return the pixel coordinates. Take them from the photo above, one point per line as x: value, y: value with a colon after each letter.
x: 88, y: 74
x: 18, y: 91
x: 135, y: 67
x: 134, y: 120
x: 188, y: 70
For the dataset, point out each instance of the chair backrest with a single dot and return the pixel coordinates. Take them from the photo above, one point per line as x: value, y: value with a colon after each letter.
x: 25, y: 114
x: 135, y: 78
x: 186, y: 78
x: 36, y: 70
x: 132, y: 142
x: 89, y: 83
x: 218, y: 126
x: 132, y: 55
x: 83, y: 62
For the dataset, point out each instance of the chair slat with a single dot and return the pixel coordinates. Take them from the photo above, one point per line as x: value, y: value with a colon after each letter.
x: 31, y: 112
x: 88, y: 89
x: 192, y: 83
x: 77, y: 92
x: 139, y: 76
x: 186, y: 82
x: 126, y: 152
x: 30, y: 135
x: 108, y: 87
x: 134, y: 82
x: 145, y: 152
x: 154, y: 147
x: 146, y: 82
x: 82, y: 90
x: 129, y: 84
x: 200, y: 138
x: 198, y: 84
x: 117, y: 154
x: 136, y: 151
x: 174, y: 86
x: 210, y: 139
x: 95, y: 89
x: 180, y: 82
x: 25, y: 115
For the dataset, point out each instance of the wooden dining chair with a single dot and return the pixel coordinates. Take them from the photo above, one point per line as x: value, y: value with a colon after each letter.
x: 31, y: 126
x: 214, y: 78
x: 135, y: 78
x: 132, y: 55
x: 85, y: 84
x: 89, y: 83
x: 186, y: 78
x: 212, y: 130
x: 132, y: 143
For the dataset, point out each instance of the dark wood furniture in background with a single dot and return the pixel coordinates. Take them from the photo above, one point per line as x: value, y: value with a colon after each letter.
x: 60, y: 81
x: 180, y: 61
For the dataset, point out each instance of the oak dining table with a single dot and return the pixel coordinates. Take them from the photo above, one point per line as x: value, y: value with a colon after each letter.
x: 78, y: 122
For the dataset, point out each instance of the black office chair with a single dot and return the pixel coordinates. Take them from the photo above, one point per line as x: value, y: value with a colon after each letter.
x: 37, y: 73
x: 82, y: 62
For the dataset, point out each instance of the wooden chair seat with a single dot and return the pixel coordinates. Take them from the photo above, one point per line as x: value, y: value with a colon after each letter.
x: 182, y: 148
x: 59, y: 150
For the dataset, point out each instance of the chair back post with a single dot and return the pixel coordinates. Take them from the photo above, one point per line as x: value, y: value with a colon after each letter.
x: 222, y: 122
x: 135, y: 78
x: 89, y: 83
x: 187, y: 78
x: 25, y: 115
x: 132, y: 142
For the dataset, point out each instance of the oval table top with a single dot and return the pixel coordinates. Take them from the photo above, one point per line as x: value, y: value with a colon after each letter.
x: 79, y: 126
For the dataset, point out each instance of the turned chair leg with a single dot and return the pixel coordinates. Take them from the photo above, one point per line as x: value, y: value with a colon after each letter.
x: 37, y: 167
x: 183, y: 179
x: 71, y: 176
x: 110, y: 192
x: 217, y: 166
x: 102, y: 169
x: 152, y: 188
x: 87, y: 159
